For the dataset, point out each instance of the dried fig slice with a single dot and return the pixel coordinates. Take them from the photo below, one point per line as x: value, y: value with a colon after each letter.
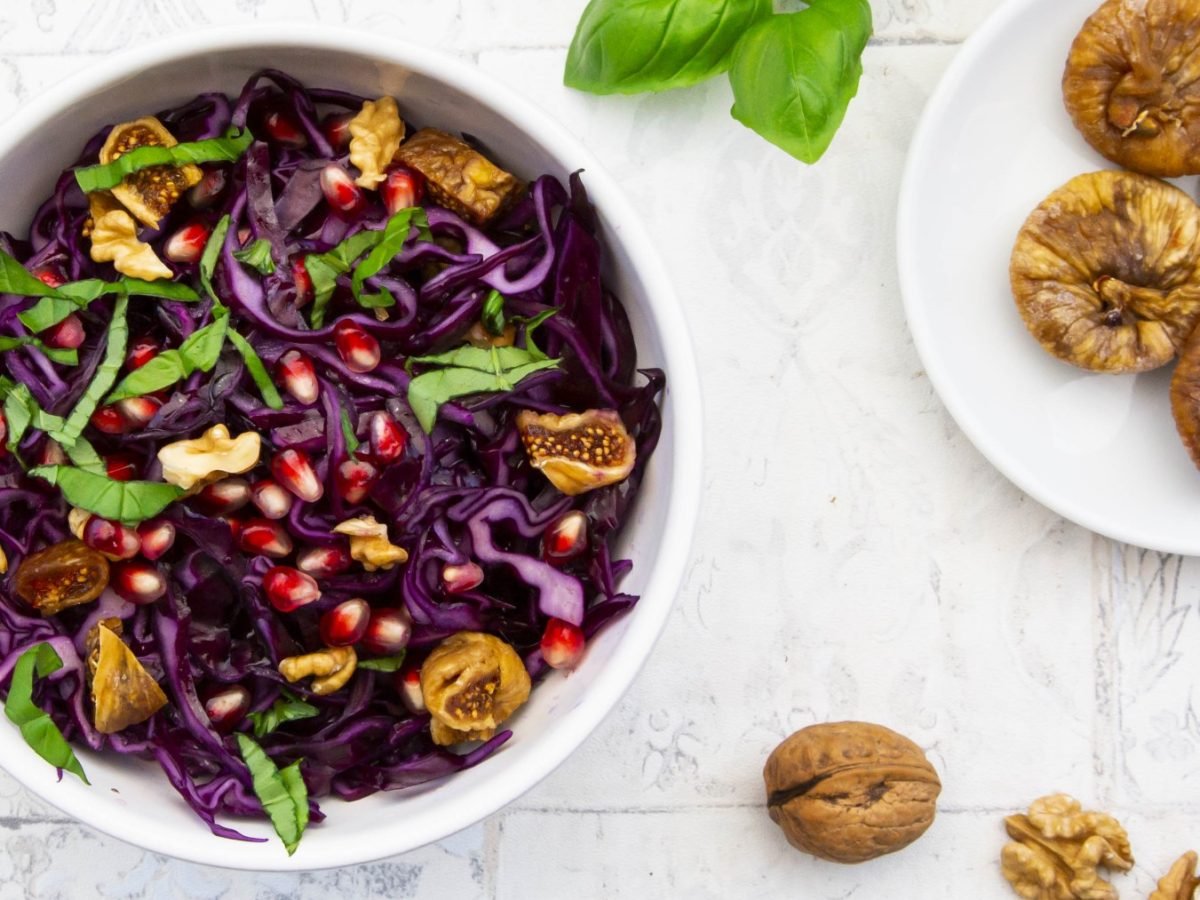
x: 458, y: 176
x: 151, y: 192
x: 1132, y: 84
x: 1185, y: 398
x: 578, y: 452
x: 63, y: 575
x: 1105, y: 272
x: 123, y: 692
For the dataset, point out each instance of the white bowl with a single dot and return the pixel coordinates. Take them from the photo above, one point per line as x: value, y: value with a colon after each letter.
x: 132, y: 800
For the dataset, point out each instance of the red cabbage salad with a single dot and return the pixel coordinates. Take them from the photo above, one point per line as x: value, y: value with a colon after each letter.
x: 318, y: 428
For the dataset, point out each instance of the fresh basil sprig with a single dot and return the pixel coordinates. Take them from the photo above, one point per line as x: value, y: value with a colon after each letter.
x: 383, y: 663
x: 121, y: 501
x: 630, y: 46
x: 109, y: 175
x: 793, y: 74
x: 288, y: 708
x: 38, y: 729
x: 282, y: 792
x: 257, y: 256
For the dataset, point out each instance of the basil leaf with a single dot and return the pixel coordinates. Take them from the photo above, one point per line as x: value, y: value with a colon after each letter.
x: 23, y: 412
x: 16, y: 279
x: 428, y: 391
x: 212, y: 252
x: 492, y: 316
x: 108, y: 176
x: 37, y: 728
x: 324, y: 268
x: 483, y: 359
x: 382, y: 300
x: 257, y: 256
x: 794, y: 75
x: 348, y: 435
x: 283, y: 798
x: 60, y: 355
x: 383, y: 663
x: 198, y: 353
x: 395, y: 235
x: 47, y: 313
x: 76, y: 295
x: 122, y: 501
x: 258, y: 371
x: 84, y: 455
x: 629, y: 46
x: 106, y: 374
x: 288, y: 708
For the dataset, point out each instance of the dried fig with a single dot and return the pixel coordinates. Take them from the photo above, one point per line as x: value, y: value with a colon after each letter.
x: 1106, y: 272
x: 151, y: 192
x: 578, y: 452
x: 123, y: 692
x: 458, y: 176
x: 63, y: 575
x: 1132, y: 84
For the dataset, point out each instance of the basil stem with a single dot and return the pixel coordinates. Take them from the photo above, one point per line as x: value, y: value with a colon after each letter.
x: 37, y: 728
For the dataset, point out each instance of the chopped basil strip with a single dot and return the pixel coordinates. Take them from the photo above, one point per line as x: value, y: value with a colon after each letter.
x: 258, y: 371
x: 288, y: 708
x: 212, y: 252
x: 37, y: 728
x: 383, y: 663
x: 77, y: 295
x: 394, y: 236
x: 348, y: 435
x: 283, y: 795
x: 493, y: 313
x: 85, y: 457
x: 23, y: 412
x: 109, y: 175
x: 106, y: 374
x: 16, y: 279
x: 58, y: 355
x: 199, y: 353
x: 122, y: 501
x: 324, y: 268
x: 257, y: 256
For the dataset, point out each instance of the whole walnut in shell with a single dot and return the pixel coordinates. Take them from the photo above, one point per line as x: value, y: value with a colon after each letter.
x: 1106, y: 272
x: 1131, y: 84
x: 850, y: 791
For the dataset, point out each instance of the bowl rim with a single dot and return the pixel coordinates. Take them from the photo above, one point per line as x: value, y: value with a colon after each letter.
x: 682, y: 419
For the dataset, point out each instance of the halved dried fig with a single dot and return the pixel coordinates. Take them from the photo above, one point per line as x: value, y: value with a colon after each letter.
x: 122, y: 690
x: 458, y: 176
x: 1105, y: 272
x: 1185, y: 398
x: 66, y: 574
x: 578, y: 452
x: 148, y: 193
x: 1132, y: 84
x: 471, y: 683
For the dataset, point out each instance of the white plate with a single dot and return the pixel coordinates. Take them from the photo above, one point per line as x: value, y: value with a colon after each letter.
x: 995, y: 139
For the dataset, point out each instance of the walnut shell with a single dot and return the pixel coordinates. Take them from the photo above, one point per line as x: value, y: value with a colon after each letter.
x: 1130, y: 84
x: 1106, y: 272
x: 850, y: 791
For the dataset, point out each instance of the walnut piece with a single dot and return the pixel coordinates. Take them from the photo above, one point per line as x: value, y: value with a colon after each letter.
x: 1180, y: 882
x: 123, y: 693
x: 459, y: 177
x: 1058, y: 848
x: 210, y: 457
x: 115, y: 240
x: 375, y: 135
x: 331, y: 668
x: 850, y: 791
x: 472, y: 682
x: 3, y: 562
x: 369, y: 543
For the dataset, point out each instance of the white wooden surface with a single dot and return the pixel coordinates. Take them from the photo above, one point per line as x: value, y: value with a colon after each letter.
x: 856, y: 557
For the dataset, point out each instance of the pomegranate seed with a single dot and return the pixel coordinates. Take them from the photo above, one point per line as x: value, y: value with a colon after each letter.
x: 138, y: 582
x: 303, y: 282
x: 52, y: 453
x: 265, y: 537
x: 114, y: 540
x: 138, y: 411
x: 358, y: 350
x: 4, y: 441
x: 562, y: 644
x: 298, y: 376
x: 324, y: 562
x: 235, y: 525
x: 187, y: 244
x: 402, y: 189
x: 66, y: 335
x: 226, y: 706
x: 346, y: 623
x: 288, y: 589
x: 156, y: 537
x: 388, y: 631
x: 204, y: 193
x: 339, y: 189
x: 565, y: 538
x: 408, y: 686
x: 336, y: 128
x: 271, y: 499
x: 293, y: 470
x: 354, y: 479
x: 122, y: 466
x: 284, y: 129
x: 460, y: 579
x: 223, y: 497
x: 141, y: 351
x: 386, y: 437
x: 49, y: 277
x: 108, y: 420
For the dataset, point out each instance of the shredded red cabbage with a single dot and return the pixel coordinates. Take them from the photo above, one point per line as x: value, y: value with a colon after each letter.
x: 464, y: 492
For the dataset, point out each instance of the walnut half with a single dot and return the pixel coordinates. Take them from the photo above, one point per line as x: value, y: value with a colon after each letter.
x: 850, y: 791
x: 1057, y: 850
x: 1180, y: 882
